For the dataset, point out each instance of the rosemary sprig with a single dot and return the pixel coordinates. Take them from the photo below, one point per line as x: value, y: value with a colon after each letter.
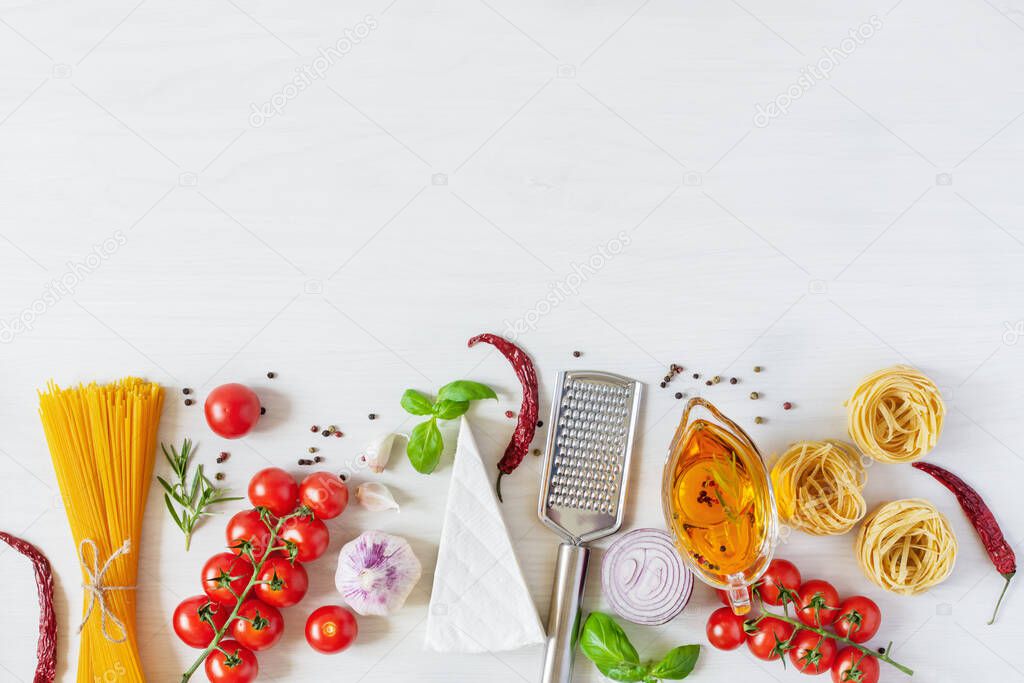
x: 195, y: 497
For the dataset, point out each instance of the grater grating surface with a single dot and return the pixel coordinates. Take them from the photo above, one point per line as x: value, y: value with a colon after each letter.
x: 593, y: 418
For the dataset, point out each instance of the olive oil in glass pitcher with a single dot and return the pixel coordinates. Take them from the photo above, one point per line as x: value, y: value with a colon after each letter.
x: 718, y: 502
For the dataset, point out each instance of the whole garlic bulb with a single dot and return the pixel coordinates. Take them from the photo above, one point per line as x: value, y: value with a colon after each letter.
x: 376, y: 572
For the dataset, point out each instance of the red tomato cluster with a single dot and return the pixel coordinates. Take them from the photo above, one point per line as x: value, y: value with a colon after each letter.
x: 246, y: 586
x: 816, y: 603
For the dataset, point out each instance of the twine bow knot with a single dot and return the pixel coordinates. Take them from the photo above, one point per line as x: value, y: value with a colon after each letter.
x: 97, y: 590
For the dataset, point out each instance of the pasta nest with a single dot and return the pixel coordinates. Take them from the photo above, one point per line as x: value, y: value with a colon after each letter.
x: 906, y: 546
x: 895, y: 415
x: 818, y: 487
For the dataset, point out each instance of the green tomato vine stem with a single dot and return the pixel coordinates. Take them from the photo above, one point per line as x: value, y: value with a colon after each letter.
x: 257, y: 567
x: 834, y: 636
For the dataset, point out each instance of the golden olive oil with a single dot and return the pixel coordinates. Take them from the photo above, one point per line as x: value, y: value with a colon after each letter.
x: 720, y: 502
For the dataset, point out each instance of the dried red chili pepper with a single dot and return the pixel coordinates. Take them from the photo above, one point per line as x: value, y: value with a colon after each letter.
x: 519, y: 446
x: 999, y: 550
x: 46, y: 649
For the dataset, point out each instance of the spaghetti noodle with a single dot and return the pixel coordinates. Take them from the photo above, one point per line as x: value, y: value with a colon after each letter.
x: 818, y: 487
x: 102, y: 441
x: 895, y: 415
x: 906, y: 546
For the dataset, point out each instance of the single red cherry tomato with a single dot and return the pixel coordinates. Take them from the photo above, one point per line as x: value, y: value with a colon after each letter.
x: 854, y: 666
x: 239, y: 665
x: 259, y: 627
x: 309, y: 536
x: 780, y: 581
x: 768, y: 638
x: 197, y: 619
x: 246, y: 527
x: 812, y: 654
x: 286, y: 583
x: 225, y: 576
x: 725, y: 629
x: 274, y: 489
x: 331, y: 629
x: 817, y: 603
x: 859, y: 618
x: 232, y: 410
x: 325, y: 494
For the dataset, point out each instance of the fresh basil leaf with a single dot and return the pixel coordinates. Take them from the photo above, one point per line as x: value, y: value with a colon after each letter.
x: 627, y: 673
x: 416, y: 403
x: 606, y: 644
x: 425, y: 446
x: 678, y: 663
x: 449, y: 410
x: 465, y: 390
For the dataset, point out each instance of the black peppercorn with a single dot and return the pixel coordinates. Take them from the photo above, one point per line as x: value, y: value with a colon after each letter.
x: 189, y: 401
x: 325, y: 433
x: 733, y: 380
x: 186, y: 391
x: 271, y: 375
x: 576, y: 354
x: 372, y: 416
x: 679, y: 394
x: 263, y: 411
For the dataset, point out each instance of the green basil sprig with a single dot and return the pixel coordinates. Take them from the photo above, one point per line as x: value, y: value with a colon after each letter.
x: 425, y: 443
x: 605, y: 644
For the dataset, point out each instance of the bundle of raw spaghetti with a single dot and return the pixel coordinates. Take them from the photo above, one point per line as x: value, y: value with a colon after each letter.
x: 102, y: 441
x: 895, y: 415
x: 818, y: 487
x: 906, y: 546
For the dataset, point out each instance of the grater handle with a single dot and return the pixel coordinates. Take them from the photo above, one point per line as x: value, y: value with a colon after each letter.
x: 564, y: 616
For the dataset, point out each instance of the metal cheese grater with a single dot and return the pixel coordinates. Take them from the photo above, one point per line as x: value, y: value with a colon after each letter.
x: 586, y: 468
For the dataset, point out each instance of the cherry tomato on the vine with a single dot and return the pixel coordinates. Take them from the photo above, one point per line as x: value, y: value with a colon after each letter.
x: 232, y: 410
x: 782, y: 578
x: 812, y: 654
x: 854, y: 666
x: 858, y: 619
x: 817, y: 603
x: 325, y: 494
x: 274, y: 489
x: 286, y: 583
x: 239, y: 665
x: 259, y: 627
x: 247, y: 527
x: 725, y: 629
x: 309, y: 535
x: 225, y: 576
x: 197, y: 619
x: 331, y: 629
x: 768, y: 638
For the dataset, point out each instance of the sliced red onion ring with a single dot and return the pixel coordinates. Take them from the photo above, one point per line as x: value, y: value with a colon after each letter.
x: 644, y: 579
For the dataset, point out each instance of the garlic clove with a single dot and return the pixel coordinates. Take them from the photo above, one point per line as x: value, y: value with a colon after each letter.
x: 375, y: 497
x: 378, y: 452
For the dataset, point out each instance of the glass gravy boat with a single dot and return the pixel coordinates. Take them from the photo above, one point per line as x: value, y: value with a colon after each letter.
x: 718, y: 502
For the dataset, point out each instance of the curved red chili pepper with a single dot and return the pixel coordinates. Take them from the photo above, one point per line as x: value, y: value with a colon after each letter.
x: 46, y: 649
x: 999, y: 550
x: 519, y: 446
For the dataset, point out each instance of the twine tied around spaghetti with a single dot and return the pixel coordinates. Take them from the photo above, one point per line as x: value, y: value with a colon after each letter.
x: 97, y: 590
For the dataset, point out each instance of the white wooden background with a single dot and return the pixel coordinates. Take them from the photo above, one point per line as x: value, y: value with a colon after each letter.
x: 446, y: 174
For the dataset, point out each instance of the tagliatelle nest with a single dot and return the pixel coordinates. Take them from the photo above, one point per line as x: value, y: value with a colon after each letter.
x: 818, y: 487
x: 906, y: 546
x: 895, y: 415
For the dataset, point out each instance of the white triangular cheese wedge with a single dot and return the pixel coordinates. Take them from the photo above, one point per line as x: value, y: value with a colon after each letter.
x: 479, y: 602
